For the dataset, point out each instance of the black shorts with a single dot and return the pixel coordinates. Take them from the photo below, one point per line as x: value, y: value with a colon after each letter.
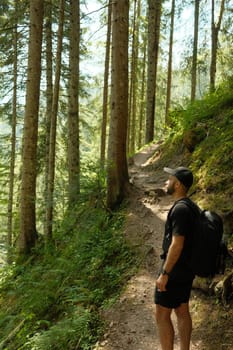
x: 176, y: 294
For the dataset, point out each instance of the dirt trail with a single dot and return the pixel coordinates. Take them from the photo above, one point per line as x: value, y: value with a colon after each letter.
x: 131, y: 324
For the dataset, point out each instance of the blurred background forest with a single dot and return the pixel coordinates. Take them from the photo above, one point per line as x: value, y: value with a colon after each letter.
x: 85, y: 85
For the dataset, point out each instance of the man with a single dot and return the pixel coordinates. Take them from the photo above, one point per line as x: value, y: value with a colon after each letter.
x: 174, y: 283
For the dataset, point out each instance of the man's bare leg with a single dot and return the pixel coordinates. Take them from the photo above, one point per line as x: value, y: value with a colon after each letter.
x: 184, y: 323
x: 165, y: 327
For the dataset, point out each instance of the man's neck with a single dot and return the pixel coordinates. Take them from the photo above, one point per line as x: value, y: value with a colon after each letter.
x: 178, y: 196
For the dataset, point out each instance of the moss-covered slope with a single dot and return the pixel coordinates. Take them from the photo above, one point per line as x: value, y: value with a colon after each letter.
x: 201, y: 137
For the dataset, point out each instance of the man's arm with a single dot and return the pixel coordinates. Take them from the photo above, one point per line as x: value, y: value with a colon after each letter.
x: 173, y: 255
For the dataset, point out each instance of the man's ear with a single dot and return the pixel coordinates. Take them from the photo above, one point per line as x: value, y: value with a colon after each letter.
x: 178, y: 184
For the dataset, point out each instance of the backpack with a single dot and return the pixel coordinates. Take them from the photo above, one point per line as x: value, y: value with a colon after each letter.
x: 208, y: 248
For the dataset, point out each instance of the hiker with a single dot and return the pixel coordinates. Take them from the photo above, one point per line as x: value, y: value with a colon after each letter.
x: 174, y: 283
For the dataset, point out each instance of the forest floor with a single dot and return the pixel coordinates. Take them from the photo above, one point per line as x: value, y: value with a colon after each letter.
x: 130, y: 321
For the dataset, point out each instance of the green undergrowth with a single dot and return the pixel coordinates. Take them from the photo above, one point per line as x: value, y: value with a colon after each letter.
x: 212, y: 158
x: 53, y: 300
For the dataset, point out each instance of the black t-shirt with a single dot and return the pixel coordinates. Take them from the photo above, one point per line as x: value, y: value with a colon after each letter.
x: 180, y: 221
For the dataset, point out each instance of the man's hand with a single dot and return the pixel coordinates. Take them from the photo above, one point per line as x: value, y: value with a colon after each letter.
x: 161, y: 283
x: 173, y: 255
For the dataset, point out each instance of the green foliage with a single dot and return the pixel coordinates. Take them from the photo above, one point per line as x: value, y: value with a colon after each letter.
x: 55, y: 296
x: 211, y: 119
x: 209, y: 107
x: 74, y: 332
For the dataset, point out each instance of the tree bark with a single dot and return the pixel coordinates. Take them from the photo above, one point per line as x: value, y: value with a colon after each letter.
x: 53, y: 126
x: 49, y: 104
x: 195, y: 46
x: 28, y: 235
x: 132, y: 122
x: 142, y: 100
x: 170, y: 57
x: 13, y: 135
x: 73, y: 115
x: 105, y: 91
x: 117, y: 176
x: 154, y: 18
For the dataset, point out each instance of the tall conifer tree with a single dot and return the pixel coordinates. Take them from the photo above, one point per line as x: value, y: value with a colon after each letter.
x: 154, y: 18
x: 117, y: 177
x: 28, y: 235
x: 53, y: 126
x: 73, y: 114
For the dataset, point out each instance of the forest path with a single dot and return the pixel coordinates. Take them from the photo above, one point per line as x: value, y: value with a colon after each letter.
x: 131, y: 324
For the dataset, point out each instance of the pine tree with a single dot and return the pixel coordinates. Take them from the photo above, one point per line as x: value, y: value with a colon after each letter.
x: 117, y: 176
x: 28, y: 234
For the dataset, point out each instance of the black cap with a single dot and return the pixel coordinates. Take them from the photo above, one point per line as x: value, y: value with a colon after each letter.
x: 184, y: 175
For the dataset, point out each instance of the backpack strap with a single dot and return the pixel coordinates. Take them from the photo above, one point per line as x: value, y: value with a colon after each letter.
x: 193, y: 206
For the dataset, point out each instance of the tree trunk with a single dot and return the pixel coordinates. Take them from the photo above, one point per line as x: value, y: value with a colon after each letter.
x: 131, y: 116
x: 142, y: 99
x: 214, y: 41
x: 49, y: 103
x: 170, y: 57
x: 53, y: 126
x: 28, y: 235
x: 13, y: 135
x: 134, y: 79
x: 105, y: 92
x: 117, y: 176
x: 154, y: 18
x: 73, y: 115
x: 195, y: 45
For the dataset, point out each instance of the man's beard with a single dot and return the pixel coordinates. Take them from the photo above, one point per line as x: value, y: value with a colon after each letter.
x: 171, y: 189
